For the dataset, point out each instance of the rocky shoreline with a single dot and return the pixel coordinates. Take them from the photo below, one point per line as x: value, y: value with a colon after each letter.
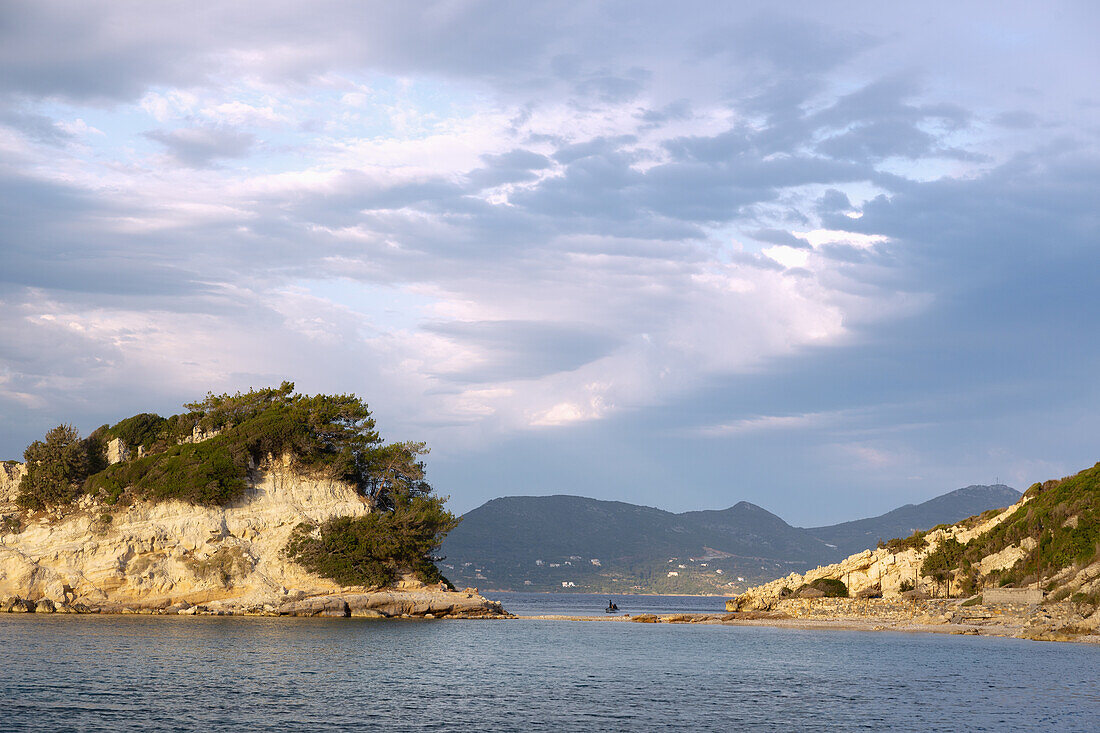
x: 380, y: 604
x: 1049, y: 622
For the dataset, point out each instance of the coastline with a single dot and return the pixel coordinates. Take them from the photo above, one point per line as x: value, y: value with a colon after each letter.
x: 359, y: 603
x: 405, y: 605
x: 780, y: 621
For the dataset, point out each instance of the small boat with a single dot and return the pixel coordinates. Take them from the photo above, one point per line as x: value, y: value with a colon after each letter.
x: 611, y: 608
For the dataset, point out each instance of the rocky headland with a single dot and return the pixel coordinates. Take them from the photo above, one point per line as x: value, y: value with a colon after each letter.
x: 174, y: 557
x: 982, y: 569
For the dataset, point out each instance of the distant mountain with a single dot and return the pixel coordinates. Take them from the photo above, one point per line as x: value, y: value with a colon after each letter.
x: 562, y: 542
x: 543, y: 542
x: 852, y: 537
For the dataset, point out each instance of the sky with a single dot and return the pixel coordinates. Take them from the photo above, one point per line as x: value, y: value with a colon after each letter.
x: 825, y: 258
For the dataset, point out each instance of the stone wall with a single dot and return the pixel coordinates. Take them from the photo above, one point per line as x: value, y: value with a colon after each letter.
x: 993, y: 596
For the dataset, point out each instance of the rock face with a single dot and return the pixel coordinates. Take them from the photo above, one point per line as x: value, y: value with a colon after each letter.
x: 881, y: 571
x: 11, y: 474
x: 157, y: 555
x: 387, y: 604
x: 874, y: 573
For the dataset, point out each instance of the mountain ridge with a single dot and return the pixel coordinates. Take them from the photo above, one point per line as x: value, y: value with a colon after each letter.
x: 862, y: 534
x: 569, y: 542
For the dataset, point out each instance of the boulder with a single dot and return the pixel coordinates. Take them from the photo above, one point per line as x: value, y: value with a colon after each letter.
x: 45, y: 605
x: 644, y: 618
x: 367, y: 613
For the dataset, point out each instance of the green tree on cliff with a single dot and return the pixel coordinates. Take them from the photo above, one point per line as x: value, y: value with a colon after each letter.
x: 941, y: 563
x: 56, y: 469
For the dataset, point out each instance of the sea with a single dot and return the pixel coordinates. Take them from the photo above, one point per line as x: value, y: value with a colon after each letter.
x: 140, y: 673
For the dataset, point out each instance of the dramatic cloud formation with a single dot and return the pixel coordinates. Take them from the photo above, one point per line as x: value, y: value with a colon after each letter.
x: 826, y: 261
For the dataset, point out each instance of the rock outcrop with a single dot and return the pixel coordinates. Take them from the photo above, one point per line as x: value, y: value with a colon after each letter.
x: 11, y: 473
x: 875, y: 579
x: 172, y: 555
x: 880, y: 571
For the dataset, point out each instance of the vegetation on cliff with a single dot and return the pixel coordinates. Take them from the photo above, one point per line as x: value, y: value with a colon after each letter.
x: 334, y: 435
x: 206, y: 455
x: 373, y: 549
x: 57, y: 468
x: 1062, y: 515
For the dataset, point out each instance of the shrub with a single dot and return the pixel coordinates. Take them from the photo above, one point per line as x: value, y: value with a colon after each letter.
x: 914, y: 541
x: 11, y: 524
x: 831, y: 587
x: 202, y: 473
x: 975, y: 601
x: 1060, y: 595
x: 102, y: 523
x: 969, y: 583
x: 372, y: 549
x: 143, y: 430
x: 1090, y: 601
x: 223, y: 566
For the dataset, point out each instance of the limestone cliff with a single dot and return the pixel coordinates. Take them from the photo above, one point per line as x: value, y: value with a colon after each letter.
x: 156, y: 555
x: 884, y: 571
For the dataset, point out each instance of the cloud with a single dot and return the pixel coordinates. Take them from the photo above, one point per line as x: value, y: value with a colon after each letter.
x: 517, y: 165
x: 199, y: 147
x: 37, y: 127
x: 511, y: 350
x: 608, y: 224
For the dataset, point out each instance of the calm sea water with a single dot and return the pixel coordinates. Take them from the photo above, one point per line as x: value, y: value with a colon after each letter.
x: 593, y: 604
x: 123, y: 673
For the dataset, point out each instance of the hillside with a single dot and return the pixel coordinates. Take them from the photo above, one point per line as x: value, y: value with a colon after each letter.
x: 1050, y: 538
x: 539, y: 543
x: 861, y: 534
